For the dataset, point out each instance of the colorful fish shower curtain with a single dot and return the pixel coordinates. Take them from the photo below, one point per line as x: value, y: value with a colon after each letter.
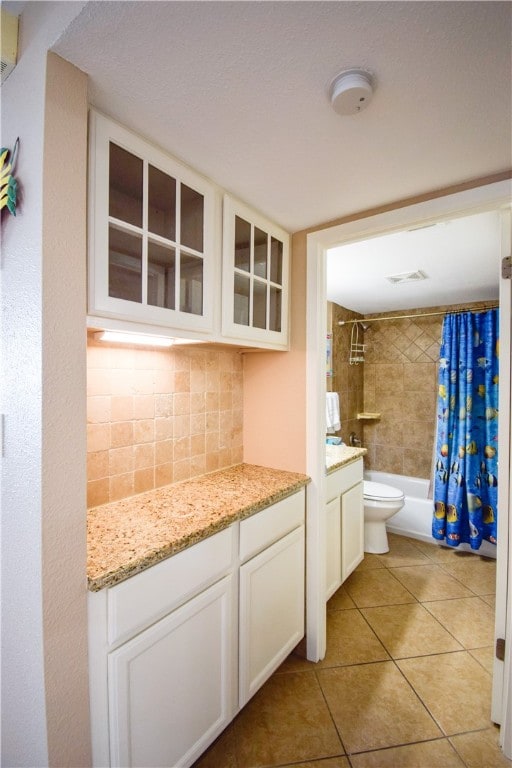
x: 465, y: 485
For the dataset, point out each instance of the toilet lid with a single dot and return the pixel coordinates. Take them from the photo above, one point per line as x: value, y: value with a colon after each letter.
x: 372, y: 490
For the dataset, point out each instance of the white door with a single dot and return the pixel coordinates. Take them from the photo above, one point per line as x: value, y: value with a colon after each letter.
x: 501, y: 691
x: 170, y: 688
x: 489, y: 197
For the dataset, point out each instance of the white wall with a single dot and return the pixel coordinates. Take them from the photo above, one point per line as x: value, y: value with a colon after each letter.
x: 26, y: 330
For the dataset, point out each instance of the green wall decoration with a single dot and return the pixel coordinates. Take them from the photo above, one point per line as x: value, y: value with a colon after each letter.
x: 8, y: 184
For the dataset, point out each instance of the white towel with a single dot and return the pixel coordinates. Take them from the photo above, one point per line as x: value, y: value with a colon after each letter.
x: 332, y: 412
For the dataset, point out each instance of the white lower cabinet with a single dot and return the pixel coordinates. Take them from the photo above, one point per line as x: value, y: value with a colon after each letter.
x: 177, y: 650
x: 344, y: 512
x: 271, y: 610
x: 179, y: 666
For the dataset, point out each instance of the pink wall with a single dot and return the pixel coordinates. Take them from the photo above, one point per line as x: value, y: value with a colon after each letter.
x: 275, y: 388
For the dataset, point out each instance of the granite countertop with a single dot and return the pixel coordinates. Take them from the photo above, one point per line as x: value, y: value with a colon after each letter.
x: 127, y: 536
x: 337, y: 456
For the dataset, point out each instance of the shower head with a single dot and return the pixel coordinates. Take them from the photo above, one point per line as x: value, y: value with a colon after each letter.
x: 364, y: 326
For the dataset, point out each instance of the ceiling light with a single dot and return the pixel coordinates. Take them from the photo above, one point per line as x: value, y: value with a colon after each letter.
x: 407, y: 277
x: 120, y: 337
x: 351, y: 91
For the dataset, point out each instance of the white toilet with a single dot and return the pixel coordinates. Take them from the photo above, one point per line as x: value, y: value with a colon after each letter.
x: 380, y: 503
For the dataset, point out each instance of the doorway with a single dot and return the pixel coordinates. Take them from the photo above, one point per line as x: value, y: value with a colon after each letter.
x: 491, y: 197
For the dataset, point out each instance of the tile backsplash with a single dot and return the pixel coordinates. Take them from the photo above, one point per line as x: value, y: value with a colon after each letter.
x: 158, y: 416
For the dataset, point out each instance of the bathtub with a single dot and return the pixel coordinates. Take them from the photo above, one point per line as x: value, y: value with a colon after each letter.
x: 415, y: 517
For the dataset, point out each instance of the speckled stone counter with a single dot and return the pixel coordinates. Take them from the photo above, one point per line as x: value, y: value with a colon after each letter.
x: 337, y: 456
x: 127, y: 536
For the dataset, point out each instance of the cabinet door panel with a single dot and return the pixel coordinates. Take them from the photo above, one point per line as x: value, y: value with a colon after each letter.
x: 352, y: 529
x: 255, y: 277
x: 151, y: 234
x: 170, y: 687
x: 333, y: 546
x: 271, y: 610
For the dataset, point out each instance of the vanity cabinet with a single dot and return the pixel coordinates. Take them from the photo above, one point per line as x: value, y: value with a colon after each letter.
x: 176, y: 650
x: 255, y: 281
x: 344, y: 509
x: 151, y: 233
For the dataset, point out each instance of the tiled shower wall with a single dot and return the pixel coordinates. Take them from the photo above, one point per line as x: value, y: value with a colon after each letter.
x: 399, y: 378
x: 400, y: 375
x: 158, y: 416
x: 347, y: 380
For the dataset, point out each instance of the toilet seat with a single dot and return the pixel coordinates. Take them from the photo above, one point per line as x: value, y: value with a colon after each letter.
x: 380, y: 491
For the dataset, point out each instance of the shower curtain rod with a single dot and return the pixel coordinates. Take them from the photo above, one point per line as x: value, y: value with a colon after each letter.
x: 477, y: 308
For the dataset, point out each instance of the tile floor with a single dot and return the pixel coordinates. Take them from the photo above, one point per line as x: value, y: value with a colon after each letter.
x: 405, y: 683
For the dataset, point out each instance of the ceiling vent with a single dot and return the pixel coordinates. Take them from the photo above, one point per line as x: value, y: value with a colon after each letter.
x: 9, y: 43
x: 407, y: 277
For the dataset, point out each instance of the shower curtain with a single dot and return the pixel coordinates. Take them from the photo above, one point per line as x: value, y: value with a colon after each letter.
x: 465, y: 482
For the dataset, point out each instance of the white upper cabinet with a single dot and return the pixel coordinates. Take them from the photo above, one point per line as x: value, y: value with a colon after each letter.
x: 151, y: 233
x: 255, y: 278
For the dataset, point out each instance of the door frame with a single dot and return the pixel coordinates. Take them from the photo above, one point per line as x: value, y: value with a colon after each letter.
x: 494, y: 196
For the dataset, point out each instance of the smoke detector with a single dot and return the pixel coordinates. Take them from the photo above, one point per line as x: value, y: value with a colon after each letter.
x: 351, y: 91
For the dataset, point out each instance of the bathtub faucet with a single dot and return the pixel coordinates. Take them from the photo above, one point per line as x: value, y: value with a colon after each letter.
x: 354, y: 440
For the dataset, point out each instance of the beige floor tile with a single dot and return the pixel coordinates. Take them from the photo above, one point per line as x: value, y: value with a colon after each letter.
x: 441, y: 552
x: 409, y: 630
x: 286, y: 721
x: 402, y: 552
x: 485, y: 656
x: 455, y: 688
x: 490, y: 600
x: 295, y: 663
x: 373, y: 707
x: 426, y: 754
x: 340, y: 601
x: 350, y: 641
x: 222, y: 752
x: 376, y: 587
x: 480, y: 749
x: 369, y: 562
x: 430, y: 582
x: 478, y: 574
x: 331, y: 762
x: 469, y: 619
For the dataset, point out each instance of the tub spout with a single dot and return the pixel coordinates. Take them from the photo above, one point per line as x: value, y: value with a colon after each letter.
x: 354, y: 440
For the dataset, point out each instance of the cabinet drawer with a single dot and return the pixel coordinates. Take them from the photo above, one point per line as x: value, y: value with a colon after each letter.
x: 342, y: 479
x: 265, y: 527
x: 138, y: 602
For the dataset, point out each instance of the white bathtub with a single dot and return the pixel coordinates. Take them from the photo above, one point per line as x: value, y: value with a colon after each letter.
x: 415, y: 517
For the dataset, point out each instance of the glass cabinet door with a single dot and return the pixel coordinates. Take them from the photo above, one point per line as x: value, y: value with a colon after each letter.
x: 255, y: 260
x: 151, y: 234
x: 158, y: 223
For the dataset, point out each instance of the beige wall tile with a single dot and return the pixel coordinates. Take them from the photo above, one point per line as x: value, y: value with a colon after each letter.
x: 97, y: 465
x: 98, y: 409
x: 121, y: 433
x: 144, y: 406
x: 121, y: 460
x: 97, y: 492
x: 98, y: 437
x: 121, y: 486
x: 144, y: 479
x: 121, y: 407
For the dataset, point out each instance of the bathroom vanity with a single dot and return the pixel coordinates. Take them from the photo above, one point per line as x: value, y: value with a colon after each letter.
x: 344, y: 514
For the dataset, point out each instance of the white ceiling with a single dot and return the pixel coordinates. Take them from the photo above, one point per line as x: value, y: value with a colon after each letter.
x: 238, y: 90
x: 460, y: 258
